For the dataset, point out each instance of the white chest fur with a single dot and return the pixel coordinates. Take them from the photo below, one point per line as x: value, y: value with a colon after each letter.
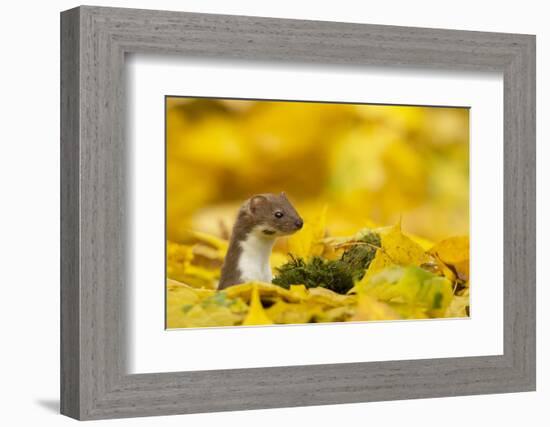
x: 254, y: 259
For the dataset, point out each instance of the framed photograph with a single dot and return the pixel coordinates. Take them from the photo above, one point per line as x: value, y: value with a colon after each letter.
x: 262, y: 213
x: 242, y: 252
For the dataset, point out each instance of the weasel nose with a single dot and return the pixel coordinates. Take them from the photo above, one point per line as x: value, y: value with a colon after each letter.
x: 299, y: 223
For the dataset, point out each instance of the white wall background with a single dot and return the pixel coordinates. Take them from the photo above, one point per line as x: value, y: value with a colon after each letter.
x: 29, y: 212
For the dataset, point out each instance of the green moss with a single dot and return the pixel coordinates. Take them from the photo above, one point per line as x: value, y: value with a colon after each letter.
x: 331, y: 274
x: 337, y: 275
x: 358, y: 257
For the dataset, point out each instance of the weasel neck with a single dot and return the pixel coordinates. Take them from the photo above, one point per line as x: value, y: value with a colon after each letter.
x: 253, y: 261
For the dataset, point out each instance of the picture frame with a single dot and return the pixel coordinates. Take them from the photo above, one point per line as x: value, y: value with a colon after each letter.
x: 94, y: 234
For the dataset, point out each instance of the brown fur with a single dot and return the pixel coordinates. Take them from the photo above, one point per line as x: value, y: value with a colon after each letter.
x: 258, y: 211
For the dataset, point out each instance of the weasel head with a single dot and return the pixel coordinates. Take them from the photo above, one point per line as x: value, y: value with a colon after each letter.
x: 272, y: 215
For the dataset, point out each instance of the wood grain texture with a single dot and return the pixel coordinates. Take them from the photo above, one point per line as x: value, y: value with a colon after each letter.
x: 95, y: 237
x: 70, y: 221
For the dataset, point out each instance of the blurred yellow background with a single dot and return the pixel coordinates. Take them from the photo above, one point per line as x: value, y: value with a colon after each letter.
x: 368, y: 164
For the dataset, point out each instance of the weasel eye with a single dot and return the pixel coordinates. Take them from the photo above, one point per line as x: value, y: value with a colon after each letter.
x: 278, y: 214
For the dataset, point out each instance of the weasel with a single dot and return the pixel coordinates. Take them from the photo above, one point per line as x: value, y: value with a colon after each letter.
x: 260, y: 220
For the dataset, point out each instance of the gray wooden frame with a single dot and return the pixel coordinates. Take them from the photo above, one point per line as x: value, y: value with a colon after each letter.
x: 94, y: 41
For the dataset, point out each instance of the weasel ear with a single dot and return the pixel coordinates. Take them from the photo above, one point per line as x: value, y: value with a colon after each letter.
x: 256, y: 202
x: 283, y: 194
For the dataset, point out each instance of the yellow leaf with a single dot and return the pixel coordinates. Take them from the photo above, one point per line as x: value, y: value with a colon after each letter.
x: 411, y: 291
x: 327, y: 297
x: 200, y: 277
x: 209, y: 254
x: 200, y: 317
x: 209, y: 239
x: 401, y: 249
x: 397, y: 249
x: 337, y: 314
x: 300, y: 291
x: 256, y: 314
x: 425, y: 244
x: 184, y: 264
x: 284, y: 313
x: 178, y: 257
x: 300, y: 243
x: 177, y: 298
x: 442, y: 268
x: 369, y: 308
x: 380, y: 262
x: 459, y: 306
x: 266, y: 291
x: 455, y: 252
x: 179, y: 288
x: 308, y: 241
x: 188, y: 307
